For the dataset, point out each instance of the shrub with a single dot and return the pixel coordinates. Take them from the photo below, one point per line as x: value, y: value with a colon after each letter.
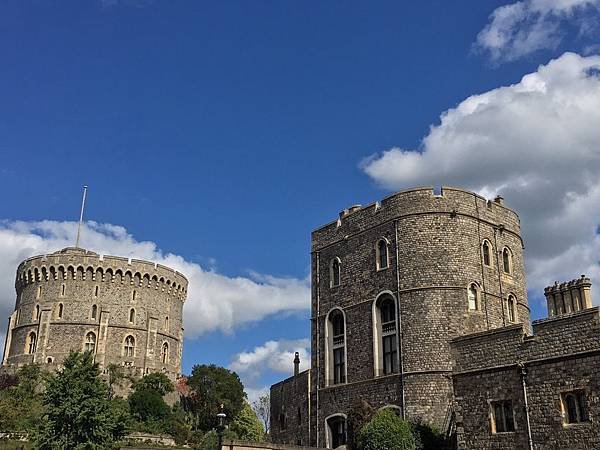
x: 427, y: 437
x: 386, y: 431
x: 148, y: 406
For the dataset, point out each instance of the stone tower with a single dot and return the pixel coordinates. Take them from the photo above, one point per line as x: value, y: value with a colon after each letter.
x: 127, y: 312
x: 392, y: 284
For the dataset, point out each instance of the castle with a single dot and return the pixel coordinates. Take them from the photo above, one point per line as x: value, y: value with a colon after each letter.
x: 419, y: 303
x: 127, y: 312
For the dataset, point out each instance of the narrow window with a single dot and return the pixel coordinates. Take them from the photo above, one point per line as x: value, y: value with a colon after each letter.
x: 167, y: 323
x: 134, y: 295
x: 335, y: 272
x: 485, y: 250
x: 132, y: 315
x: 36, y: 312
x: 282, y: 421
x: 507, y: 260
x: 129, y: 347
x: 389, y: 348
x: 39, y: 292
x: 165, y: 353
x: 94, y: 311
x: 299, y: 416
x: 338, y: 347
x: 90, y: 342
x: 473, y: 297
x: 96, y: 292
x: 575, y: 408
x: 31, y: 340
x: 382, y: 254
x: 62, y: 290
x: 502, y: 417
x: 18, y: 317
x: 60, y: 311
x: 337, y: 431
x: 511, y: 308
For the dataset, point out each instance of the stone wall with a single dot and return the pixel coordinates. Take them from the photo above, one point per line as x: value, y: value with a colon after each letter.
x: 434, y: 254
x: 290, y: 410
x: 562, y: 355
x: 66, y: 288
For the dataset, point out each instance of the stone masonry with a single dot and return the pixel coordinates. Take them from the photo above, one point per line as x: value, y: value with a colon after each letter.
x: 434, y: 254
x: 127, y: 311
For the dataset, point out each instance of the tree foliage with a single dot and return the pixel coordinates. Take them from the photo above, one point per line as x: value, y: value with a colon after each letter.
x: 262, y: 408
x: 247, y: 426
x: 21, y: 400
x: 78, y: 413
x: 386, y: 431
x: 156, y: 381
x: 148, y: 405
x: 214, y: 386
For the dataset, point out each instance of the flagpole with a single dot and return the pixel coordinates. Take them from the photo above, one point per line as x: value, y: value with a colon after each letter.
x: 81, y: 217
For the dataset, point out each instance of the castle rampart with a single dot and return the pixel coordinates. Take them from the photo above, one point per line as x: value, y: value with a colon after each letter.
x: 127, y: 311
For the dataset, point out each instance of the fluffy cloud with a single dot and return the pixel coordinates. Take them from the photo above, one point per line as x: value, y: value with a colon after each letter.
x: 537, y: 143
x: 276, y: 356
x: 215, y: 301
x: 521, y: 28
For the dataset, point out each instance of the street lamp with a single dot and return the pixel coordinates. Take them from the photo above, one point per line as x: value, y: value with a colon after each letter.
x: 221, y: 427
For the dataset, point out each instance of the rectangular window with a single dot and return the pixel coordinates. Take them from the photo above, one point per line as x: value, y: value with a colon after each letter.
x: 502, y: 417
x: 390, y: 353
x: 339, y: 366
x: 574, y: 407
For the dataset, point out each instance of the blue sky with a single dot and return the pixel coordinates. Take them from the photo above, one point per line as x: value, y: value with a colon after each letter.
x: 224, y: 133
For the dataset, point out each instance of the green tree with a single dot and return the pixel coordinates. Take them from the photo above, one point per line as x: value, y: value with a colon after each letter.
x: 21, y: 399
x: 78, y: 413
x: 386, y: 431
x: 155, y: 381
x: 213, y: 386
x: 148, y: 405
x: 247, y: 426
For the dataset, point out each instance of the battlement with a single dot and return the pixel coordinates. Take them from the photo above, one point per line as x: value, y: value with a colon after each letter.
x: 418, y: 201
x: 568, y: 297
x: 75, y: 263
x: 554, y: 337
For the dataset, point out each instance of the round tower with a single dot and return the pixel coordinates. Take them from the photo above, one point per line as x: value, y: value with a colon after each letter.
x: 404, y: 276
x: 127, y: 312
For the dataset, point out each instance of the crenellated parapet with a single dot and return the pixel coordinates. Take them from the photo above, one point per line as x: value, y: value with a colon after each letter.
x: 80, y: 264
x: 568, y: 297
x: 126, y: 311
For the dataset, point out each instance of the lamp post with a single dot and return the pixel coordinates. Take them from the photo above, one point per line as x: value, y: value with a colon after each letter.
x: 220, y: 428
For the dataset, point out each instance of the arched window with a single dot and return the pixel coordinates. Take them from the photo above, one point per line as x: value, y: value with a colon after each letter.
x: 511, y: 308
x: 62, y: 290
x: 166, y: 323
x: 94, y: 311
x: 39, y: 292
x: 382, y: 254
x: 486, y: 253
x: 129, y: 347
x: 30, y: 345
x: 507, y: 260
x: 90, y: 342
x: 132, y: 315
x: 36, y: 312
x: 385, y: 337
x: 473, y: 297
x: 134, y: 295
x: 575, y: 408
x: 336, y: 342
x: 59, y: 312
x: 334, y: 272
x: 165, y: 353
x: 336, y: 431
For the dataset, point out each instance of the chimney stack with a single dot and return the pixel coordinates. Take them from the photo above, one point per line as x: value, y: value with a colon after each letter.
x: 296, y: 363
x: 565, y: 298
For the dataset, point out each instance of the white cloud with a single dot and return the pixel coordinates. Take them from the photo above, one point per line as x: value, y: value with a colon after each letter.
x: 215, y: 301
x: 523, y: 27
x: 537, y: 143
x: 277, y: 356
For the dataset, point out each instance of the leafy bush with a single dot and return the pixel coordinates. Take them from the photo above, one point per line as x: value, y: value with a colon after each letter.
x: 427, y: 437
x: 155, y: 381
x: 386, y: 431
x: 247, y: 425
x: 148, y: 406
